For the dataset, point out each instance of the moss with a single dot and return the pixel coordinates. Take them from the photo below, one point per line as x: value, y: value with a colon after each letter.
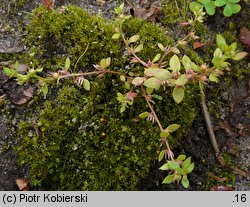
x: 68, y: 32
x: 222, y: 172
x: 173, y: 13
x: 79, y: 140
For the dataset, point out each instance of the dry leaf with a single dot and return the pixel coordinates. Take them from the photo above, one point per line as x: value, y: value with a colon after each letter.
x: 23, y: 183
x: 221, y: 188
x: 199, y: 44
x: 217, y: 177
x: 151, y: 12
x: 245, y: 37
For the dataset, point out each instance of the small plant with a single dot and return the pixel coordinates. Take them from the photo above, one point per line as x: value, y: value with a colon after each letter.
x: 179, y: 169
x: 176, y: 73
x: 231, y: 6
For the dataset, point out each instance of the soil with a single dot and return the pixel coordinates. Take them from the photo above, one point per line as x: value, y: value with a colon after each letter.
x: 232, y: 127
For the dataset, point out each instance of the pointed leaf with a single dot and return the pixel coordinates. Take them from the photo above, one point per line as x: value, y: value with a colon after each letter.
x: 195, y: 67
x: 190, y: 168
x: 181, y: 157
x: 173, y: 127
x: 116, y: 35
x: 139, y: 48
x: 144, y: 115
x: 160, y: 157
x: 165, y: 166
x: 169, y: 179
x: 178, y: 94
x: 156, y: 58
x: 161, y: 47
x: 221, y: 42
x: 186, y: 163
x: 185, y: 181
x: 133, y: 38
x: 239, y: 56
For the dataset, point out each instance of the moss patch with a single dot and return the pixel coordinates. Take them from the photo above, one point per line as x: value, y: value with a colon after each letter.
x: 79, y: 140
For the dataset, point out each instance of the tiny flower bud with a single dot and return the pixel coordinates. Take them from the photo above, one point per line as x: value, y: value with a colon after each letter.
x: 203, y: 67
x: 55, y: 76
x: 184, y: 24
x: 203, y: 78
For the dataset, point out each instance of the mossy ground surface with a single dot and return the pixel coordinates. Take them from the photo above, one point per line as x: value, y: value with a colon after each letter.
x: 78, y: 140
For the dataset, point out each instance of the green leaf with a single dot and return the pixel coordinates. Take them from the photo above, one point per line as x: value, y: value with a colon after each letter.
x: 182, y: 80
x: 45, y: 90
x: 218, y: 58
x: 144, y: 115
x: 185, y: 181
x: 116, y: 35
x: 156, y: 58
x: 133, y: 38
x: 213, y: 78
x: 152, y: 83
x: 157, y: 97
x: 160, y: 74
x: 164, y: 134
x: 221, y: 42
x: 169, y: 179
x: 161, y: 47
x: 86, y: 84
x: 175, y: 63
x: 186, y: 163
x: 67, y: 63
x: 181, y: 157
x: 190, y: 168
x: 122, y: 78
x: 235, y: 8
x: 178, y: 94
x: 123, y: 108
x: 138, y: 81
x: 104, y: 63
x: 160, y: 157
x: 120, y: 97
x: 204, y: 1
x: 239, y: 56
x: 9, y: 72
x: 186, y: 62
x: 210, y: 8
x: 220, y: 3
x: 234, y: 1
x: 139, y: 48
x: 173, y: 127
x: 173, y: 165
x: 194, y: 6
x: 127, y: 85
x: 195, y: 67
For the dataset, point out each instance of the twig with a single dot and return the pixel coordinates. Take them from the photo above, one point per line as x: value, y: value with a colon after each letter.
x: 211, y: 131
x: 157, y: 120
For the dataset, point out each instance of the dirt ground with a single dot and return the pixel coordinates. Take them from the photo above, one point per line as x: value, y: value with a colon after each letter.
x: 232, y: 127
